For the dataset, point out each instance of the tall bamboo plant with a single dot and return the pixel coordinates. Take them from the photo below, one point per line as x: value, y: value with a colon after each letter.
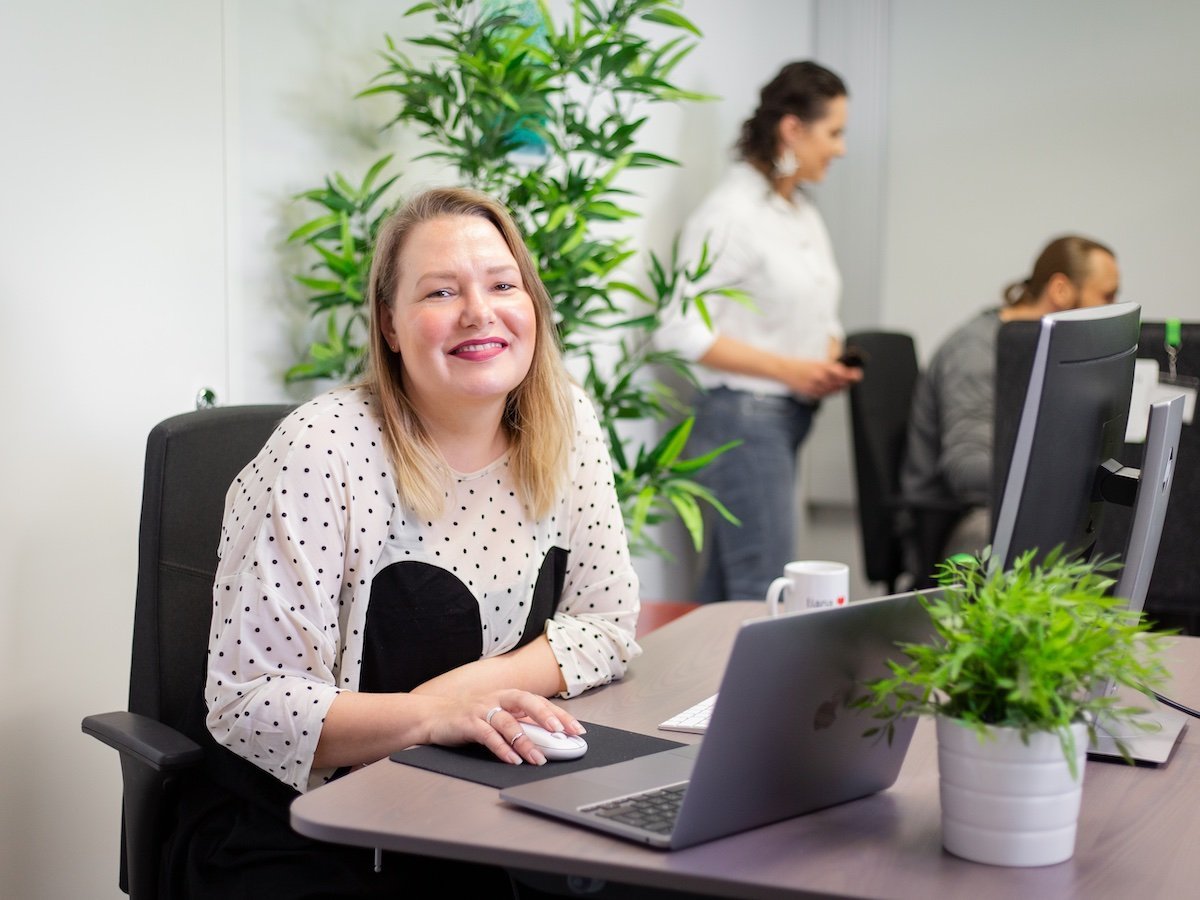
x: 545, y: 115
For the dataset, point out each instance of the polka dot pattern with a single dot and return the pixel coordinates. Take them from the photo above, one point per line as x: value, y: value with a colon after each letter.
x: 315, y: 517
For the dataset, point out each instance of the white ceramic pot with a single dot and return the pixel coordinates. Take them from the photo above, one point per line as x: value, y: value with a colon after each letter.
x: 1005, y: 802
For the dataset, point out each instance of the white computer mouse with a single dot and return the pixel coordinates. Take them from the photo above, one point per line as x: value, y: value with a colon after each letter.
x: 555, y: 745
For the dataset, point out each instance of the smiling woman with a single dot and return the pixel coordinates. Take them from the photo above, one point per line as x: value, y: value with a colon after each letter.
x: 451, y: 280
x: 421, y: 558
x: 463, y: 327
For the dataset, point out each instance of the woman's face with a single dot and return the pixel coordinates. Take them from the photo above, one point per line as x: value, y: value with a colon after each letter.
x: 816, y: 144
x: 461, y: 319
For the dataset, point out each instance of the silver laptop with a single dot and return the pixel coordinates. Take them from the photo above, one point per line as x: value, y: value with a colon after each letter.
x: 781, y: 741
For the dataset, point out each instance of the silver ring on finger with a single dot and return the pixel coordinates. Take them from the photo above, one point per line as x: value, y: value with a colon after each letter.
x: 516, y: 737
x: 491, y: 712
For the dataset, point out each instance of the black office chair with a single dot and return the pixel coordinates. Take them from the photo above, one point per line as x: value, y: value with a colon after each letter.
x: 191, y: 459
x: 901, y: 539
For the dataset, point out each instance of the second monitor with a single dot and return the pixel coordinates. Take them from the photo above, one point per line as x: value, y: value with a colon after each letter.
x: 1062, y: 474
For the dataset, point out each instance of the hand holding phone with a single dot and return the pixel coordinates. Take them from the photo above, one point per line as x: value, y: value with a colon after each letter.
x: 853, y: 357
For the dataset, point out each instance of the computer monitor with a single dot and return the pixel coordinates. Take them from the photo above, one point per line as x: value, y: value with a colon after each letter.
x: 1063, y: 471
x: 1071, y: 428
x: 1114, y: 531
x: 1163, y: 432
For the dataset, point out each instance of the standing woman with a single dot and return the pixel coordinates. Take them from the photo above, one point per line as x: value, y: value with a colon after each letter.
x: 765, y: 367
x: 423, y: 558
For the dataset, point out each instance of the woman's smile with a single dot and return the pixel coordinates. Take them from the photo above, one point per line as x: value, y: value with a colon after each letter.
x: 479, y: 350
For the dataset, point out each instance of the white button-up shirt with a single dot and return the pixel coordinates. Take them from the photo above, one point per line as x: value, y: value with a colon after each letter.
x: 780, y: 254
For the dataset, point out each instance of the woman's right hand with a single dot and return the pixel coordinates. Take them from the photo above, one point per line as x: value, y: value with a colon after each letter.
x: 494, y: 720
x: 814, y: 378
x: 818, y: 378
x: 361, y: 728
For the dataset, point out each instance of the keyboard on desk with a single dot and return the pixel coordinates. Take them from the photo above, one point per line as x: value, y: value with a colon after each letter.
x: 693, y: 720
x: 654, y: 810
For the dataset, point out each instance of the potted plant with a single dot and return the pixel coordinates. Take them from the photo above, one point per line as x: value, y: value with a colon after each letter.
x: 1019, y: 673
x: 545, y: 113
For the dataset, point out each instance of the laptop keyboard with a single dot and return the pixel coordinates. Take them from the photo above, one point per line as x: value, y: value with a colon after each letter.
x: 694, y: 719
x: 654, y: 810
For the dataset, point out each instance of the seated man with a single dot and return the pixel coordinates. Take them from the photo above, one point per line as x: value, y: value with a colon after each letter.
x: 949, y: 452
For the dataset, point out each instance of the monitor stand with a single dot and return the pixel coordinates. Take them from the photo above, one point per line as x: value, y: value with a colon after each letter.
x: 1149, y: 745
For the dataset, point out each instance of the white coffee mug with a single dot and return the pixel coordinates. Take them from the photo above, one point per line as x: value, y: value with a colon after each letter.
x: 809, y: 584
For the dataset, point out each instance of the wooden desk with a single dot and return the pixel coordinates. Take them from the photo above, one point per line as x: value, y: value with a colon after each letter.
x: 1139, y: 829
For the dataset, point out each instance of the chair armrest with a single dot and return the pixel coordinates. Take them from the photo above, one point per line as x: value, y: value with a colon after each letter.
x: 153, y: 757
x: 158, y: 746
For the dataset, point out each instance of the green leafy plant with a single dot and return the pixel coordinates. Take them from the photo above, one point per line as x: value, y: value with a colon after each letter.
x: 342, y: 238
x: 545, y: 115
x: 1030, y: 647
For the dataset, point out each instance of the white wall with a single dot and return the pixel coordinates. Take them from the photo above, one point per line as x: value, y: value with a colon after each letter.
x: 852, y: 39
x: 294, y: 67
x: 112, y: 290
x: 1013, y: 122
x: 150, y: 149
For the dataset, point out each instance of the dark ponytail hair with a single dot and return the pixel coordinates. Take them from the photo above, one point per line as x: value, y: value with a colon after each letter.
x: 1068, y: 255
x: 803, y: 89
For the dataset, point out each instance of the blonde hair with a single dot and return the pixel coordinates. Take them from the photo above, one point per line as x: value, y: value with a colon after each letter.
x: 538, y: 415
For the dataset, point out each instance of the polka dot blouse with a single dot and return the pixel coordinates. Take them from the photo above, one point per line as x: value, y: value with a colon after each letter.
x: 328, y: 582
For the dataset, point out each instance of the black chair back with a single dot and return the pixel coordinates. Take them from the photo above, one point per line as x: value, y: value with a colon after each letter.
x: 879, y: 412
x: 902, y: 538
x: 191, y: 460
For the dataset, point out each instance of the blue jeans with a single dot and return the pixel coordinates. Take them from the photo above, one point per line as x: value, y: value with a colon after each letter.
x: 756, y: 482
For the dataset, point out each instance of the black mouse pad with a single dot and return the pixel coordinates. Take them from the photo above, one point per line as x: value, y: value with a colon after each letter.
x: 476, y: 763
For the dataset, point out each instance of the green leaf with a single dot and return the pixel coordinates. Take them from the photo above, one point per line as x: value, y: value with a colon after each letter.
x: 673, y: 442
x: 602, y: 209
x: 641, y: 508
x: 697, y: 463
x: 672, y: 18
x: 373, y: 173
x: 708, y: 497
x: 576, y: 238
x: 689, y: 514
x: 644, y: 160
x: 309, y: 228
x: 319, y: 284
x: 557, y: 217
x: 737, y: 295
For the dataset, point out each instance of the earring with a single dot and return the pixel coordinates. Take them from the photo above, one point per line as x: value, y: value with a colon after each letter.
x: 786, y: 163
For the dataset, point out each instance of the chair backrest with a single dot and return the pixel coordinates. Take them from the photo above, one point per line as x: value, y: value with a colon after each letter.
x: 191, y: 459
x: 879, y: 411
